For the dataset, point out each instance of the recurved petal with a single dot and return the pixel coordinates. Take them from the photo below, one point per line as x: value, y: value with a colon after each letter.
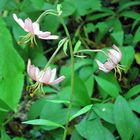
x: 36, y: 28
x: 32, y: 71
x: 48, y: 37
x: 58, y: 80
x: 47, y: 75
x: 43, y: 35
x: 114, y: 56
x: 28, y: 25
x: 101, y: 66
x: 18, y: 20
x: 118, y: 50
x: 53, y: 74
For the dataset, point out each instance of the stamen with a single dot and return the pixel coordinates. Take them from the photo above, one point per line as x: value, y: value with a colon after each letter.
x: 35, y: 89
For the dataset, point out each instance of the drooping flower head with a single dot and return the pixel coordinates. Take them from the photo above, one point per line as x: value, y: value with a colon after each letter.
x: 114, y: 57
x: 46, y: 76
x: 33, y: 29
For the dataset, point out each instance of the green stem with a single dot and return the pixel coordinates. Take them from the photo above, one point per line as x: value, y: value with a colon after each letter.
x: 72, y: 78
x: 54, y: 54
x: 51, y: 12
x: 97, y: 50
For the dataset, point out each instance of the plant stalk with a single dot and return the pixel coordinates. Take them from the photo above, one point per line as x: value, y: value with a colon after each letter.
x: 72, y: 78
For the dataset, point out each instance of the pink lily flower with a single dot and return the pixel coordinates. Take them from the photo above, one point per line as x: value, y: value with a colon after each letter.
x: 114, y: 57
x: 46, y: 76
x: 33, y: 29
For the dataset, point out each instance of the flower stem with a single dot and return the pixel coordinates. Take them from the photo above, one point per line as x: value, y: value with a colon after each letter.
x: 54, y: 54
x: 72, y: 78
x: 97, y: 50
x: 47, y: 12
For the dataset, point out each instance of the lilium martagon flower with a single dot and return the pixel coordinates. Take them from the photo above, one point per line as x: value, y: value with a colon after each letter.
x: 46, y: 76
x: 114, y: 57
x: 33, y: 29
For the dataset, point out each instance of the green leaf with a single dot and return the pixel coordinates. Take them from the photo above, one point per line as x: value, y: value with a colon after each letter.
x: 136, y: 38
x: 131, y: 14
x: 68, y: 8
x: 38, y: 4
x: 135, y: 104
x: 126, y: 122
x: 75, y: 136
x: 3, y: 110
x: 80, y: 98
x: 55, y: 113
x: 4, y: 135
x: 104, y: 111
x: 128, y: 56
x: 93, y: 130
x: 82, y: 111
x: 82, y: 7
x: 77, y: 46
x: 3, y: 4
x: 103, y: 29
x: 137, y: 58
x: 36, y: 108
x: 133, y: 91
x: 11, y: 70
x: 58, y: 101
x: 43, y: 122
x: 51, y: 23
x: 65, y: 47
x: 118, y: 37
x: 109, y: 87
x: 128, y: 4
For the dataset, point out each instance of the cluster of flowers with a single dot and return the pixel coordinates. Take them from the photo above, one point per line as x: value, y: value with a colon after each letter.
x: 47, y: 76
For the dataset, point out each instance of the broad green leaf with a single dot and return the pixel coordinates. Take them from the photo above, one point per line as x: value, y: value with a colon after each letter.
x: 118, y: 37
x: 126, y: 122
x: 83, y: 63
x: 68, y: 8
x: 104, y: 111
x: 82, y: 7
x: 2, y: 4
x: 93, y: 130
x: 137, y: 58
x: 133, y: 91
x: 54, y: 112
x: 36, y: 108
x: 11, y: 70
x: 38, y: 4
x: 82, y: 111
x: 135, y: 104
x: 136, y: 38
x: 51, y: 23
x: 81, y: 97
x: 43, y: 122
x: 109, y: 87
x: 127, y: 56
x: 4, y: 135
x: 75, y: 136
